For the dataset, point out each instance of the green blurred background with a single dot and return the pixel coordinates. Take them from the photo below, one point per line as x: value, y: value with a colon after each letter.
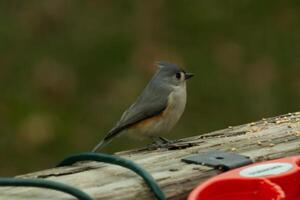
x: 68, y: 69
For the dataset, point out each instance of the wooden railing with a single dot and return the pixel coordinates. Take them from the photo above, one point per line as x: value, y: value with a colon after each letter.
x: 263, y: 140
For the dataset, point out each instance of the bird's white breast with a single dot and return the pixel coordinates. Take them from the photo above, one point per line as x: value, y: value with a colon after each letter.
x: 166, y: 121
x: 176, y: 106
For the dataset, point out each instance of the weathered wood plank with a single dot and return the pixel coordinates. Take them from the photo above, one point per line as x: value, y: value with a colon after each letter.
x: 263, y: 140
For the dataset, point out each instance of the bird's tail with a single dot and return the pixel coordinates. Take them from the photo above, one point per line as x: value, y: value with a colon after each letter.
x: 107, y: 139
x: 99, y: 146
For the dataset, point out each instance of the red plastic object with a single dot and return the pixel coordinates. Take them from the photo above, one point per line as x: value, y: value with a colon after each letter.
x: 272, y: 180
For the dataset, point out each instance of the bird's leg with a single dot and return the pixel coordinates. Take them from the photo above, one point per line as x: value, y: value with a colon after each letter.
x: 157, y: 141
x: 165, y: 140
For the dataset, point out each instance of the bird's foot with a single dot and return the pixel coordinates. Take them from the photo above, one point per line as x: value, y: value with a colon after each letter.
x: 160, y: 142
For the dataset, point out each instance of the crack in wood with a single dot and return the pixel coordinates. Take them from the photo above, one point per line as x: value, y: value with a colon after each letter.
x: 62, y: 173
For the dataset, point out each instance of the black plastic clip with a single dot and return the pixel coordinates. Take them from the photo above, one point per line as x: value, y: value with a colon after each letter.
x: 219, y: 160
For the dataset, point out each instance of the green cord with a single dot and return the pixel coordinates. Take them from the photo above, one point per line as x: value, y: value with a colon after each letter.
x: 42, y: 183
x: 100, y: 157
x: 112, y: 159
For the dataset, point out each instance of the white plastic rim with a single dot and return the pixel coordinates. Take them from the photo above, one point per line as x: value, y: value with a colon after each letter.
x: 266, y: 169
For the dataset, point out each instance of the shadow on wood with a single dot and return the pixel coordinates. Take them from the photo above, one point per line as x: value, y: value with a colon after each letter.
x: 263, y: 140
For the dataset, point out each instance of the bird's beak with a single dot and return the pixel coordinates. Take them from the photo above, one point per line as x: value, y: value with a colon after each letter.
x: 188, y: 76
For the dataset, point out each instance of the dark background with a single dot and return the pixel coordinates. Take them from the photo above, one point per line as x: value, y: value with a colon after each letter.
x: 68, y: 69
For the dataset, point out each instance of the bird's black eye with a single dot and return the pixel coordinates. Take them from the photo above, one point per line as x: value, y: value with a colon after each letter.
x: 178, y: 75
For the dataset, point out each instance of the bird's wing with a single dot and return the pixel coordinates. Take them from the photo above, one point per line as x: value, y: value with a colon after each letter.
x: 151, y: 102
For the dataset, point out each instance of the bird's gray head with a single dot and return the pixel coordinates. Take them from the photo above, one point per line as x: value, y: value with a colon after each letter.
x: 171, y: 74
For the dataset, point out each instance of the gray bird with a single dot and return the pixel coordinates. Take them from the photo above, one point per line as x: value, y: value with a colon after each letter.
x: 157, y: 109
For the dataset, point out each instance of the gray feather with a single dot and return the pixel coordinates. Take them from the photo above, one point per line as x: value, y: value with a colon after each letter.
x: 151, y: 102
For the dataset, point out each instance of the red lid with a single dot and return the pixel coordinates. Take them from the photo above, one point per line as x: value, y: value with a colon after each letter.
x: 272, y: 180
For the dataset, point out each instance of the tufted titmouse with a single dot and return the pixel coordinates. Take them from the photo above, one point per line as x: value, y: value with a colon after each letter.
x: 158, y: 108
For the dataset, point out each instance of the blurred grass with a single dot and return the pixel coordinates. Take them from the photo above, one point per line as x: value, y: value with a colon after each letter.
x: 68, y: 69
